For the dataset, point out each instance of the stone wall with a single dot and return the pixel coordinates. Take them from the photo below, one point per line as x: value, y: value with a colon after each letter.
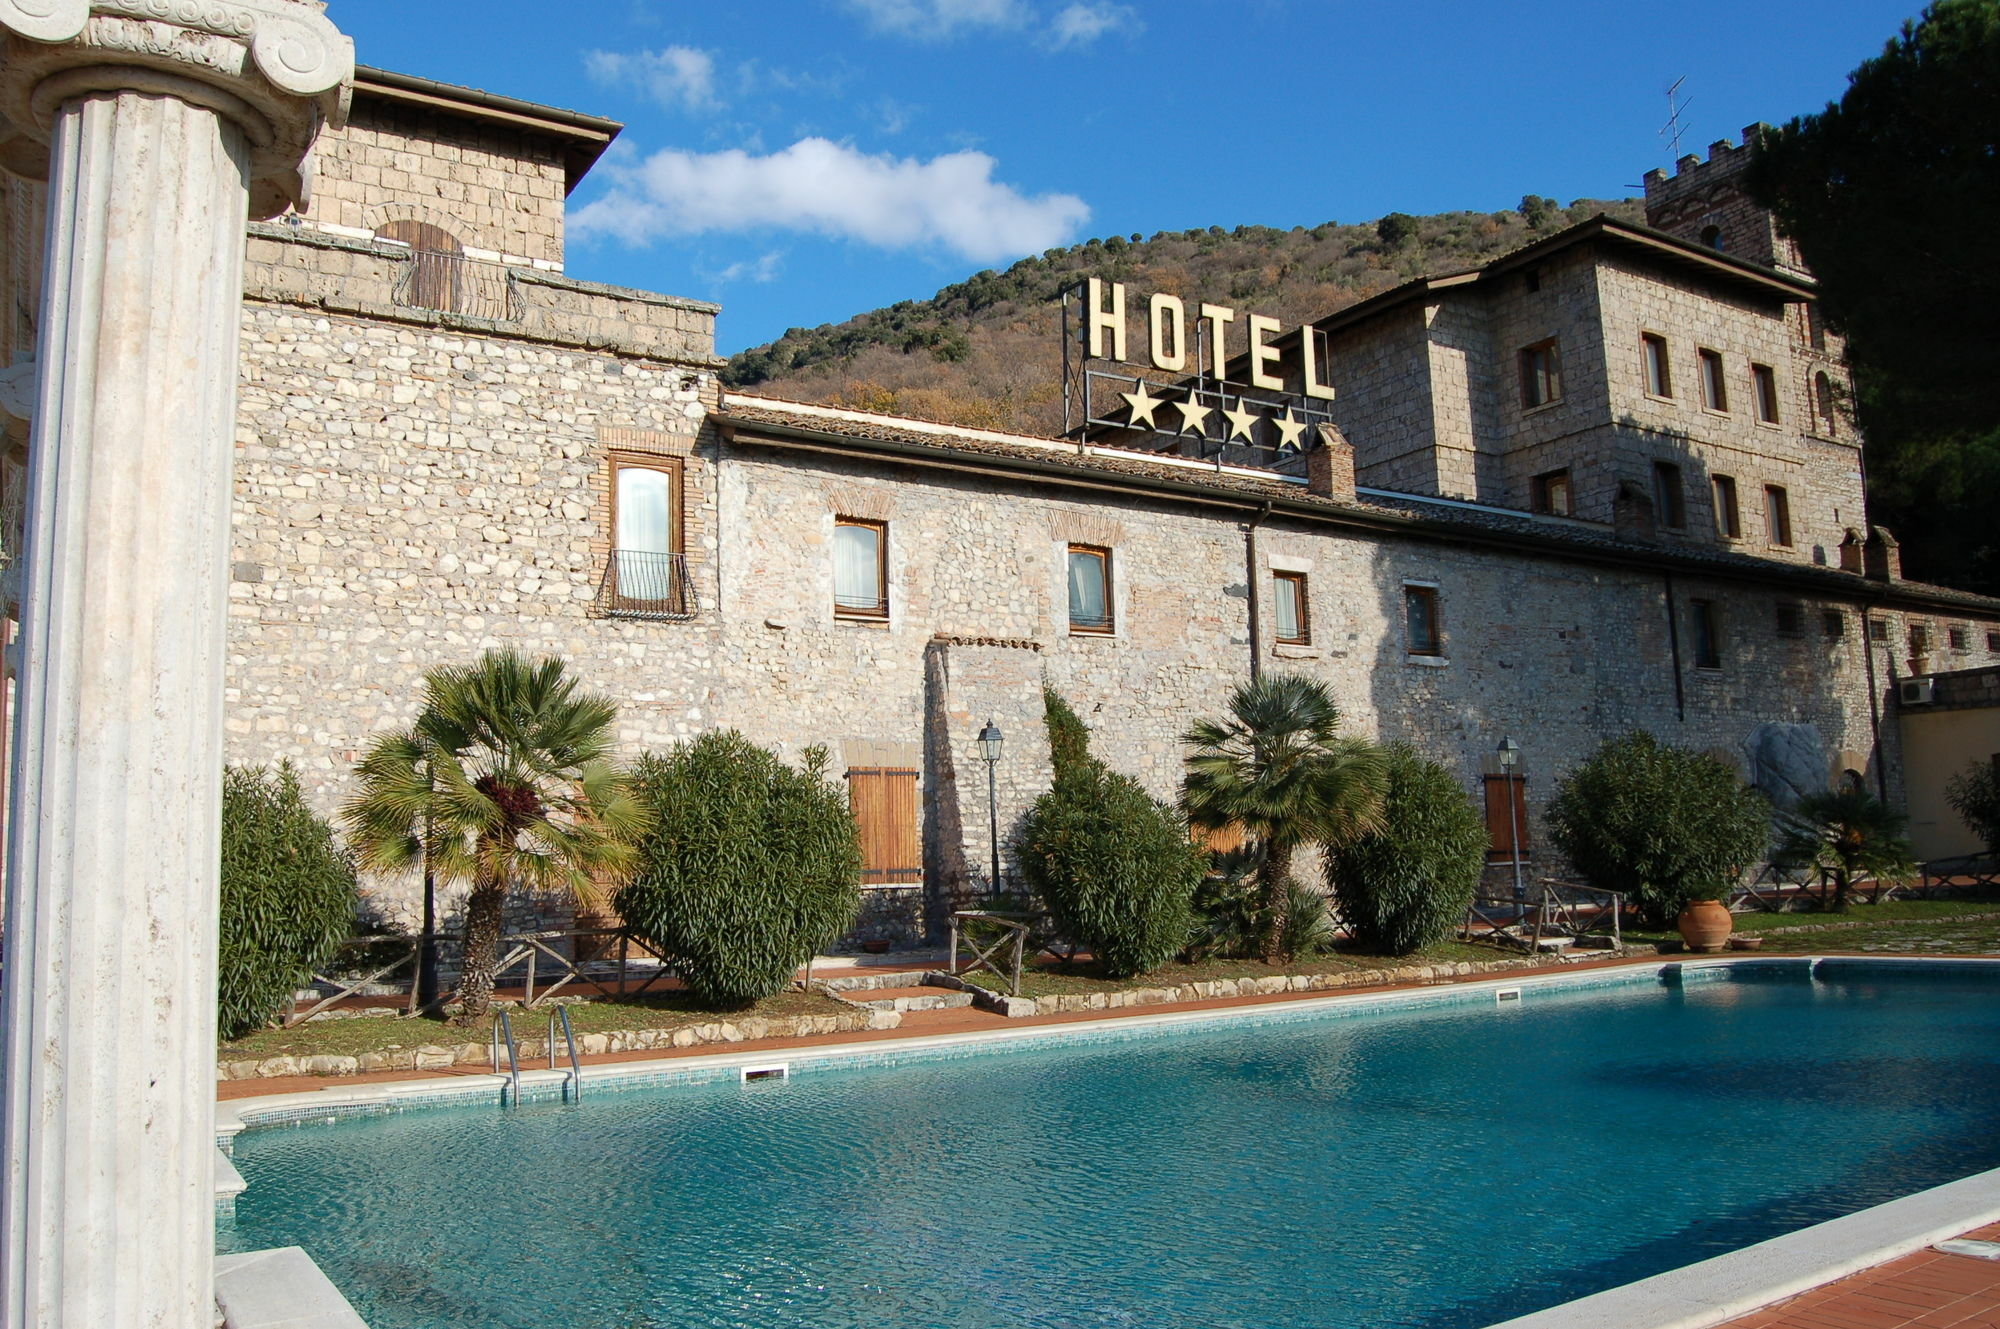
x: 1701, y: 195
x: 498, y: 190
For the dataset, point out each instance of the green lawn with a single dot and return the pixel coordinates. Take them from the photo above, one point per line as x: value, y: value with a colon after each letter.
x: 1053, y: 978
x: 388, y: 1033
x: 1858, y: 917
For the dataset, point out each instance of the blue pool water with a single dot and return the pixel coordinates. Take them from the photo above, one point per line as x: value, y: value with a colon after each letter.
x: 1443, y: 1167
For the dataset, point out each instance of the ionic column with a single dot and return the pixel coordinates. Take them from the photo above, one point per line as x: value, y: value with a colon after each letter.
x: 160, y: 124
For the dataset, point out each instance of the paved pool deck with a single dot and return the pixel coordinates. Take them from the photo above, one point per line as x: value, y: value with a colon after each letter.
x: 1927, y: 1288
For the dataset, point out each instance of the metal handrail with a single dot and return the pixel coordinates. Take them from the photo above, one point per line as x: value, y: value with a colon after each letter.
x: 575, y: 1081
x: 503, y: 1030
x: 455, y: 284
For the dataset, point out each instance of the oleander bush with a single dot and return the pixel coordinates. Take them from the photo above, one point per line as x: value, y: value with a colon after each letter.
x: 1666, y: 825
x: 1974, y: 794
x: 1406, y: 885
x: 750, y: 868
x: 288, y: 896
x: 1111, y: 863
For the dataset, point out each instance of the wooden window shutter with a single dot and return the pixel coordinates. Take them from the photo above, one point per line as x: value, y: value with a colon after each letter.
x: 886, y: 811
x: 434, y: 256
x: 1500, y: 834
x: 1220, y: 840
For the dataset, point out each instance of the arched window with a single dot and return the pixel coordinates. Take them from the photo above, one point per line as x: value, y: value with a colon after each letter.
x: 435, y: 276
x: 1823, y: 402
x: 1711, y: 236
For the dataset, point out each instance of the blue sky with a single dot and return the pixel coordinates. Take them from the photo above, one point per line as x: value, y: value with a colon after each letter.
x: 803, y: 160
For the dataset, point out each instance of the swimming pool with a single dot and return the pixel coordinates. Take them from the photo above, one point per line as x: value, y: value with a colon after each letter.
x: 1450, y: 1164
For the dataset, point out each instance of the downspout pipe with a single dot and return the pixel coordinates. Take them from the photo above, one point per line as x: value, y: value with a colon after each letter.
x: 1256, y: 600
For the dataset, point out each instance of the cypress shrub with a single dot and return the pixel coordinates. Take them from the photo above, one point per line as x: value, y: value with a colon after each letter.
x: 750, y: 868
x: 287, y: 896
x: 1113, y: 865
x: 1407, y: 885
x: 1664, y: 824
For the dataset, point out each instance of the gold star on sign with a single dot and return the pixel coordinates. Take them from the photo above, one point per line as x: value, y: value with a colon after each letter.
x: 1143, y: 404
x: 1194, y: 416
x: 1241, y: 422
x: 1291, y: 431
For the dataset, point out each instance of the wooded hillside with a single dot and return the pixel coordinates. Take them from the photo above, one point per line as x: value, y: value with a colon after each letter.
x: 986, y: 352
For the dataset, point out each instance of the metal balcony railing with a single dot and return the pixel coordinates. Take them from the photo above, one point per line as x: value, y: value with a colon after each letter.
x: 638, y: 584
x: 455, y: 284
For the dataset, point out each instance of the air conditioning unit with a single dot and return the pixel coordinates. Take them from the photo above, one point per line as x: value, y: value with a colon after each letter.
x: 1919, y: 691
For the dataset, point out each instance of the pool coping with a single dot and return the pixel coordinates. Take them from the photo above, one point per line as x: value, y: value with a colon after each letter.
x: 1702, y: 1295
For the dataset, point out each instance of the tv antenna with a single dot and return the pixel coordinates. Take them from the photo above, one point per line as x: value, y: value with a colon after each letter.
x: 1673, y: 129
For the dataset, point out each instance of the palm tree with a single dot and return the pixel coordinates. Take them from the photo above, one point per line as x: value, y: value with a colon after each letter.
x: 1848, y: 833
x: 508, y: 767
x: 1278, y: 767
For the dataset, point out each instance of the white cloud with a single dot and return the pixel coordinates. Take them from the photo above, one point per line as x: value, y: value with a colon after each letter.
x: 940, y: 18
x: 763, y: 269
x: 950, y: 202
x: 678, y: 77
x: 1082, y: 24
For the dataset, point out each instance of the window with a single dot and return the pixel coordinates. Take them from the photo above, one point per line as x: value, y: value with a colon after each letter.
x: 1823, y: 402
x: 1294, y: 618
x: 1711, y: 238
x: 860, y: 568
x: 1653, y: 357
x: 1541, y: 374
x: 1420, y: 619
x: 1552, y: 493
x: 886, y: 814
x: 1506, y: 817
x: 437, y: 266
x: 1714, y: 388
x: 1993, y: 642
x: 1089, y: 589
x: 1878, y: 629
x: 1728, y: 520
x: 1815, y: 328
x: 1920, y: 639
x: 1958, y: 641
x: 1778, y: 515
x: 1766, y: 381
x: 1707, y: 637
x: 1669, y: 509
x: 1791, y: 620
x: 1834, y: 624
x: 648, y: 576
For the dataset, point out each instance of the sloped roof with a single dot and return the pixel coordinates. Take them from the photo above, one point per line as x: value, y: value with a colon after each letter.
x: 813, y: 427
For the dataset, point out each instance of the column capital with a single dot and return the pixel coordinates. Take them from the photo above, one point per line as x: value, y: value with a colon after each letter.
x: 278, y: 69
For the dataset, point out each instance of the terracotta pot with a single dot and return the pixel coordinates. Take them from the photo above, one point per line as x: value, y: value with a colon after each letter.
x: 1705, y: 925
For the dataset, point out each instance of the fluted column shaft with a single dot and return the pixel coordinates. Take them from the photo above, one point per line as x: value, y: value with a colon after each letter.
x: 111, y: 936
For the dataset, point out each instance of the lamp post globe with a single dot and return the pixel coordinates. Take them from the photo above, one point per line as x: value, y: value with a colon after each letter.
x: 1509, y: 754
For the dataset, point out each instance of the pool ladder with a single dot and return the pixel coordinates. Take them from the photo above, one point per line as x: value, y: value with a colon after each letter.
x: 503, y: 1038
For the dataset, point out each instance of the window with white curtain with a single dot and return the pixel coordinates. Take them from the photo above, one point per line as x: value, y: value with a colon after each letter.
x: 645, y: 505
x: 1089, y: 589
x: 860, y: 568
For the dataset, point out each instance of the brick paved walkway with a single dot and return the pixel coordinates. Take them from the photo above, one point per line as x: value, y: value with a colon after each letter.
x: 1926, y: 1289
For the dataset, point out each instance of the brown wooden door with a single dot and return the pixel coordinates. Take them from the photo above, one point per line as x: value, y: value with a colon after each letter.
x: 886, y: 811
x: 434, y: 258
x: 1503, y: 831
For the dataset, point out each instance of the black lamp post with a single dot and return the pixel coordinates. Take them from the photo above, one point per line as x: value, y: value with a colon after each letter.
x: 1510, y: 757
x: 989, y: 752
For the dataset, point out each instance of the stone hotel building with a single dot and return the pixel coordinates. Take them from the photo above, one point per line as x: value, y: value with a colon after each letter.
x: 1604, y: 482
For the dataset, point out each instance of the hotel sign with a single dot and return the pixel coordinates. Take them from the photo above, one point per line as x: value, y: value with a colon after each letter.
x: 1167, y: 336
x: 1210, y: 414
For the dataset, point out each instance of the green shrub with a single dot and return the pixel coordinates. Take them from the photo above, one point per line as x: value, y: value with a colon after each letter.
x: 750, y: 868
x: 1112, y: 864
x: 1974, y: 794
x: 288, y: 896
x: 1666, y: 825
x: 1406, y: 886
x: 1230, y: 913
